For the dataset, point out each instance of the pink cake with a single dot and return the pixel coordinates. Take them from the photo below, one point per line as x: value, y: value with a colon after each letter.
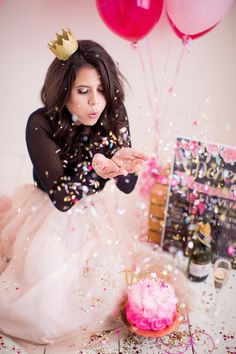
x: 151, y: 305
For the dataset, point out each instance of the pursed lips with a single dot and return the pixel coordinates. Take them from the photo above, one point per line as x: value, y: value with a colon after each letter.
x: 93, y: 114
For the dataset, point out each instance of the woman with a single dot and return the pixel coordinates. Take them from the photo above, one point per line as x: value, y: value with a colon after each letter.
x: 64, y: 250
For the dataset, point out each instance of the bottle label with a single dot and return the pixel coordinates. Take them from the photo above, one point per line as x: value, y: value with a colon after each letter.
x: 199, y: 270
x: 205, y: 240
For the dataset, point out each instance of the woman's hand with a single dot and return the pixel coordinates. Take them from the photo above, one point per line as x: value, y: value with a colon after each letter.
x: 129, y: 160
x: 105, y: 167
x: 124, y: 161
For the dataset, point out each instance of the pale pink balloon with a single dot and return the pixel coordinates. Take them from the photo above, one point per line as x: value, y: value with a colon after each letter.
x: 196, y: 17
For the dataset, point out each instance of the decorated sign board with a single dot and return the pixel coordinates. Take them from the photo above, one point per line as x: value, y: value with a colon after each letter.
x: 202, y: 186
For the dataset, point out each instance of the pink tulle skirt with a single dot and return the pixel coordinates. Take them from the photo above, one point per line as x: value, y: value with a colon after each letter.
x: 62, y: 273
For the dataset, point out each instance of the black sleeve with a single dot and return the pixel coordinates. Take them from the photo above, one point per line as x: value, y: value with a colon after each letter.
x: 125, y: 183
x: 64, y: 190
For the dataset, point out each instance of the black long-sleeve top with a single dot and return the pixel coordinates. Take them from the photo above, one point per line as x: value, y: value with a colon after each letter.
x: 66, y: 182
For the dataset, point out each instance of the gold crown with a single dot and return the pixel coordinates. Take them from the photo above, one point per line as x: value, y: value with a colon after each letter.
x: 64, y: 46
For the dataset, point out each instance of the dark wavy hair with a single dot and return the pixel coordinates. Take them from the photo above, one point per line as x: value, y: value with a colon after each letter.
x: 57, y: 89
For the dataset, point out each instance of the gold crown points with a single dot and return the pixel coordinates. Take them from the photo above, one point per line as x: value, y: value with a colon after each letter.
x: 64, y: 46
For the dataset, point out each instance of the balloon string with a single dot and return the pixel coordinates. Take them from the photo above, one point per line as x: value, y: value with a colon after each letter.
x: 153, y: 73
x: 177, y: 70
x: 157, y: 122
x: 156, y: 94
x: 165, y: 69
x: 145, y: 75
x: 185, y: 47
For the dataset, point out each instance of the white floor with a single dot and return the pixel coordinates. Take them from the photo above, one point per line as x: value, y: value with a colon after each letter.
x: 126, y: 343
x: 200, y: 333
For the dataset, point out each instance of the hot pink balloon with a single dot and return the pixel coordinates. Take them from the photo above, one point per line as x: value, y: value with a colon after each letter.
x: 130, y: 19
x: 193, y: 18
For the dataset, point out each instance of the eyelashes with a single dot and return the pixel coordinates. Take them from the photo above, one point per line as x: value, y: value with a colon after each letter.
x: 84, y: 91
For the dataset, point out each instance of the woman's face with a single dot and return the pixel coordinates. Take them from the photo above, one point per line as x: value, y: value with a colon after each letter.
x: 87, y: 100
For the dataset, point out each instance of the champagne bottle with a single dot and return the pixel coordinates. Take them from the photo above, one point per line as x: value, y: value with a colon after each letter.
x: 200, y: 258
x: 233, y: 262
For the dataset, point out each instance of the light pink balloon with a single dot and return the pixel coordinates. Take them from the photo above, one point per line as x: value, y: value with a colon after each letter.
x: 192, y: 17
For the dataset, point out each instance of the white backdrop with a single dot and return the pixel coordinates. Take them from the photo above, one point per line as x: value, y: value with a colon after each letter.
x: 202, y: 103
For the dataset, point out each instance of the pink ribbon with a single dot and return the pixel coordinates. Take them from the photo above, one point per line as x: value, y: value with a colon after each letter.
x: 168, y: 343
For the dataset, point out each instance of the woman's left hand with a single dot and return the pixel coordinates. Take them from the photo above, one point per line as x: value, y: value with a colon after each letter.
x: 129, y: 160
x: 105, y: 167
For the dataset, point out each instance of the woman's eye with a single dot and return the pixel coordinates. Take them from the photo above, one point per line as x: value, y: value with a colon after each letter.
x: 101, y: 89
x: 82, y: 91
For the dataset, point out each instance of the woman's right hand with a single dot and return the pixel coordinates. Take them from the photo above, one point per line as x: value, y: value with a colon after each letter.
x: 129, y: 160
x: 105, y: 167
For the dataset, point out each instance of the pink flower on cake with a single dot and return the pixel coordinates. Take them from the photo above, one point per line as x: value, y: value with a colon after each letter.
x: 151, y: 304
x: 157, y: 324
x: 137, y: 320
x: 229, y: 155
x: 143, y: 324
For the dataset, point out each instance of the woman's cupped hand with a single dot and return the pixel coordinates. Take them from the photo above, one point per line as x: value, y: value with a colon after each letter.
x: 124, y: 161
